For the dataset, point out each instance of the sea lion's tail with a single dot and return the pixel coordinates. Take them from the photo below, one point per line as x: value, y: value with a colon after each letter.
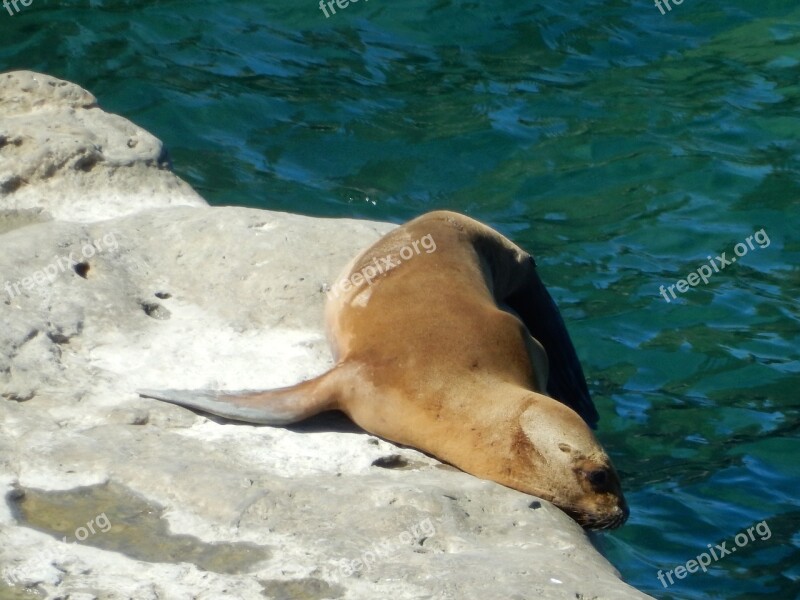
x: 280, y: 406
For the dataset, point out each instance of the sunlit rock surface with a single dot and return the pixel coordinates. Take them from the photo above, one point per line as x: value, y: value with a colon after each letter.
x: 108, y: 287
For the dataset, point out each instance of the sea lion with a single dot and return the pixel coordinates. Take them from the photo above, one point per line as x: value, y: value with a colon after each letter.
x: 446, y: 340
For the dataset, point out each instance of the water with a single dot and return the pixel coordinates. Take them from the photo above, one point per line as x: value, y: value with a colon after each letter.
x: 137, y: 528
x: 621, y: 146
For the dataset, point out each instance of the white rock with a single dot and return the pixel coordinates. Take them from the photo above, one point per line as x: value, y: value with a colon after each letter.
x: 60, y: 151
x: 194, y: 297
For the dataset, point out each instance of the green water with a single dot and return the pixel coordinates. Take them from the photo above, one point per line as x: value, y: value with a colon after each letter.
x: 620, y: 145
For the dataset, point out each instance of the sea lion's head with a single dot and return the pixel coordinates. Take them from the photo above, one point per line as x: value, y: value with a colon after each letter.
x: 568, y: 467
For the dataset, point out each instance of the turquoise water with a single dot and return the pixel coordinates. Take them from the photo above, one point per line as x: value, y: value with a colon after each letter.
x: 621, y: 146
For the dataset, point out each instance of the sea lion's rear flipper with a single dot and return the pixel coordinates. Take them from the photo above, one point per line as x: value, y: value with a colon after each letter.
x: 280, y: 406
x: 566, y: 382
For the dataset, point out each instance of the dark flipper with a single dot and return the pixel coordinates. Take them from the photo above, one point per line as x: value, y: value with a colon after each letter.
x: 280, y: 406
x: 566, y: 382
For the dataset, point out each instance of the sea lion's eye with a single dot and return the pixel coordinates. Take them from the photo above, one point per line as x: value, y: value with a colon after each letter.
x: 598, y: 477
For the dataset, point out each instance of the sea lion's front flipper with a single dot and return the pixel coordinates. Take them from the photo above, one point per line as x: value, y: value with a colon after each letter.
x: 566, y: 381
x: 280, y: 406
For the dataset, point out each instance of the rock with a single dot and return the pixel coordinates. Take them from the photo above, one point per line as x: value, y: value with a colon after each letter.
x: 109, y: 495
x: 61, y: 152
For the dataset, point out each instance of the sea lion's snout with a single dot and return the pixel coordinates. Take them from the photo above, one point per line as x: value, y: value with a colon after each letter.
x: 601, y: 504
x: 605, y: 519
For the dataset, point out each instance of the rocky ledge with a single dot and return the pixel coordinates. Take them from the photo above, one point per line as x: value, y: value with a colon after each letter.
x: 115, y: 276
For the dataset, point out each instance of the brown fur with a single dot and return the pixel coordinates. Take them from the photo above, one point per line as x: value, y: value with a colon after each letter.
x: 442, y: 368
x: 426, y: 357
